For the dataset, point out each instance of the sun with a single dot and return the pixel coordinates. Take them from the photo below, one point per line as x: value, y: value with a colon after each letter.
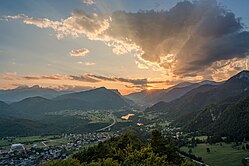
x: 149, y: 88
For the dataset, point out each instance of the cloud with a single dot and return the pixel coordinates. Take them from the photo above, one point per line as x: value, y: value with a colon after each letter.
x: 86, y: 63
x: 138, y: 87
x: 79, y: 53
x: 89, y: 2
x: 96, y: 78
x: 185, y: 41
x: 89, y: 63
x: 103, y: 78
x: 71, y: 88
x: 79, y: 23
x: 8, y: 75
x: 137, y: 81
x: 141, y: 65
x: 52, y: 77
x: 83, y: 78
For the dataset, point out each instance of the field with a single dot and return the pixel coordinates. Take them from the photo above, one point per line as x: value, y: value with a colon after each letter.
x: 30, y: 141
x: 225, y: 155
x: 93, y: 116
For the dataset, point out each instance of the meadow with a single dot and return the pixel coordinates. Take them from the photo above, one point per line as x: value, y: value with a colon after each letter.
x: 221, y: 154
x: 53, y: 140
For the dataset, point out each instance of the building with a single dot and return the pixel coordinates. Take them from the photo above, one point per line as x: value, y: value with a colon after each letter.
x: 17, y: 147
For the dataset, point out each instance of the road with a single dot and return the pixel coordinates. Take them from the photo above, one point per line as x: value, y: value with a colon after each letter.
x: 113, y: 123
x: 43, y: 142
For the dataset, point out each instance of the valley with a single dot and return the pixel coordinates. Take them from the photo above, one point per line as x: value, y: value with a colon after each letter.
x: 206, y: 115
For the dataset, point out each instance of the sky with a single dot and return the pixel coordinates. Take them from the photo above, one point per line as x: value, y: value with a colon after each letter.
x: 121, y: 44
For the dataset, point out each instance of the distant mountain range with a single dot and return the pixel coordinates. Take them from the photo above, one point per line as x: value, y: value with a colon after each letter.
x: 150, y: 97
x: 30, y: 116
x: 206, y: 107
x: 23, y: 92
x: 100, y: 98
x: 203, y: 96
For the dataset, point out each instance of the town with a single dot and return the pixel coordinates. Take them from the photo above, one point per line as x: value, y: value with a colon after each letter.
x: 34, y: 153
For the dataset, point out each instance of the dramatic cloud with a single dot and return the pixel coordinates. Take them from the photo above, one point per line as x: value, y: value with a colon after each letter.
x: 187, y: 40
x: 79, y: 23
x: 80, y: 52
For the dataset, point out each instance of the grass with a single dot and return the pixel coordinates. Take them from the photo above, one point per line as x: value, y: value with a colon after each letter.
x: 93, y: 116
x: 24, y: 140
x: 30, y: 141
x: 224, y: 155
x: 57, y: 142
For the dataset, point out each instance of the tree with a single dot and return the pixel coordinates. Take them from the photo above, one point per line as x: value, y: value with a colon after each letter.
x: 157, y: 143
x: 247, y: 146
x: 190, y: 151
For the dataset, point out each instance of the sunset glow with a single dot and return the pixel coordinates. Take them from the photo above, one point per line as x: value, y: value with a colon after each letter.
x: 83, y: 45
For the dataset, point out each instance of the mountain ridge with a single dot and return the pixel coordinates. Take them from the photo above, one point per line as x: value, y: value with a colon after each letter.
x: 202, y: 96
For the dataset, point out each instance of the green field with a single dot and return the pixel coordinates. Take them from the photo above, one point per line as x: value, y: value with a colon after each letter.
x: 225, y: 155
x: 93, y: 116
x: 30, y: 141
x: 24, y: 140
x: 56, y: 142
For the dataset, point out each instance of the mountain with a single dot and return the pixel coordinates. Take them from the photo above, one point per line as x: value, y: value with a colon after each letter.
x: 146, y: 97
x: 150, y: 97
x: 20, y: 127
x: 33, y: 115
x: 5, y: 109
x: 100, y: 98
x: 200, y: 97
x: 20, y: 93
x: 227, y: 118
